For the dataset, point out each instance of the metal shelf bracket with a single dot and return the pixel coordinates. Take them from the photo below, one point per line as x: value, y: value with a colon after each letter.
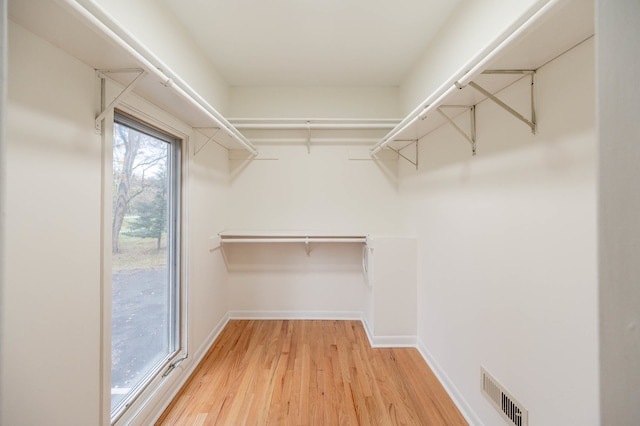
x: 103, y: 75
x: 209, y: 138
x: 401, y: 155
x: 529, y: 122
x: 471, y: 137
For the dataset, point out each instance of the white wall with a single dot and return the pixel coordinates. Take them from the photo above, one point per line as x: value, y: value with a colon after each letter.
x: 472, y: 26
x: 314, y: 102
x: 321, y: 191
x: 507, y: 250
x: 51, y: 313
x: 280, y: 280
x: 335, y: 188
x: 618, y: 29
x: 390, y: 307
x: 208, y: 213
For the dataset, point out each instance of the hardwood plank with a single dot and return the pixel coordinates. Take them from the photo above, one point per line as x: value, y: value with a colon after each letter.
x: 309, y: 373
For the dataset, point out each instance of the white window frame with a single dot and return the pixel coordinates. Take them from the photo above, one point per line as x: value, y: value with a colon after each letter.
x: 160, y: 390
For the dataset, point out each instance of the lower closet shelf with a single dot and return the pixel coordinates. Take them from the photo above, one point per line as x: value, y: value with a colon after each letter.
x: 290, y: 237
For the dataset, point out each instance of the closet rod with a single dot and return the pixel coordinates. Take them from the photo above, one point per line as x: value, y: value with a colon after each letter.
x: 314, y: 140
x: 100, y: 19
x: 238, y: 120
x: 273, y: 126
x: 472, y: 68
x: 314, y: 126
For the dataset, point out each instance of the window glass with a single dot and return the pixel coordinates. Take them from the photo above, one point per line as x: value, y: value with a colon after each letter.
x: 145, y: 284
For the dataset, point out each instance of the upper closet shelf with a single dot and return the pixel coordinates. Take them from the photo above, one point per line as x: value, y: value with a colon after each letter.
x: 88, y: 33
x: 312, y: 131
x: 314, y: 123
x: 542, y: 35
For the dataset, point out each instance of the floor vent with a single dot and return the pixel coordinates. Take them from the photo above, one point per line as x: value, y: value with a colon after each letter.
x: 512, y: 411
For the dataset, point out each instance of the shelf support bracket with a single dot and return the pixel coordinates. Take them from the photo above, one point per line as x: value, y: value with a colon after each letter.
x: 529, y: 122
x: 307, y: 246
x: 209, y: 138
x: 401, y: 155
x: 308, y: 137
x: 103, y: 74
x: 471, y: 137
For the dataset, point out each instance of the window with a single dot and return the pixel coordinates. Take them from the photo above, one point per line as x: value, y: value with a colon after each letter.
x: 145, y: 276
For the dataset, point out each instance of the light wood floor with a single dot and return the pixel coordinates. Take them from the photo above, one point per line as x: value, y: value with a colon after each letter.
x: 309, y: 373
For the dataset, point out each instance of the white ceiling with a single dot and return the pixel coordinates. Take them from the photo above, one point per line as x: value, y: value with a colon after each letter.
x: 312, y: 42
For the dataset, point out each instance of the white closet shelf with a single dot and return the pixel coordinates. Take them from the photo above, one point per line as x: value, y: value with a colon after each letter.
x: 312, y: 131
x: 289, y: 237
x: 314, y: 123
x: 257, y: 237
x: 86, y: 32
x: 537, y: 39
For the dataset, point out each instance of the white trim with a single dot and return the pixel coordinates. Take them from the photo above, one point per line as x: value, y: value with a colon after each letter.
x: 106, y: 203
x: 367, y: 330
x: 186, y: 373
x: 296, y: 315
x: 388, y: 341
x: 456, y: 396
x: 145, y: 400
x: 393, y: 342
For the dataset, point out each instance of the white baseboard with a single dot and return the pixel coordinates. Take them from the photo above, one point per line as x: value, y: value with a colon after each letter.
x: 470, y: 416
x: 296, y: 315
x: 388, y: 341
x: 393, y: 342
x: 187, y: 371
x: 367, y: 330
